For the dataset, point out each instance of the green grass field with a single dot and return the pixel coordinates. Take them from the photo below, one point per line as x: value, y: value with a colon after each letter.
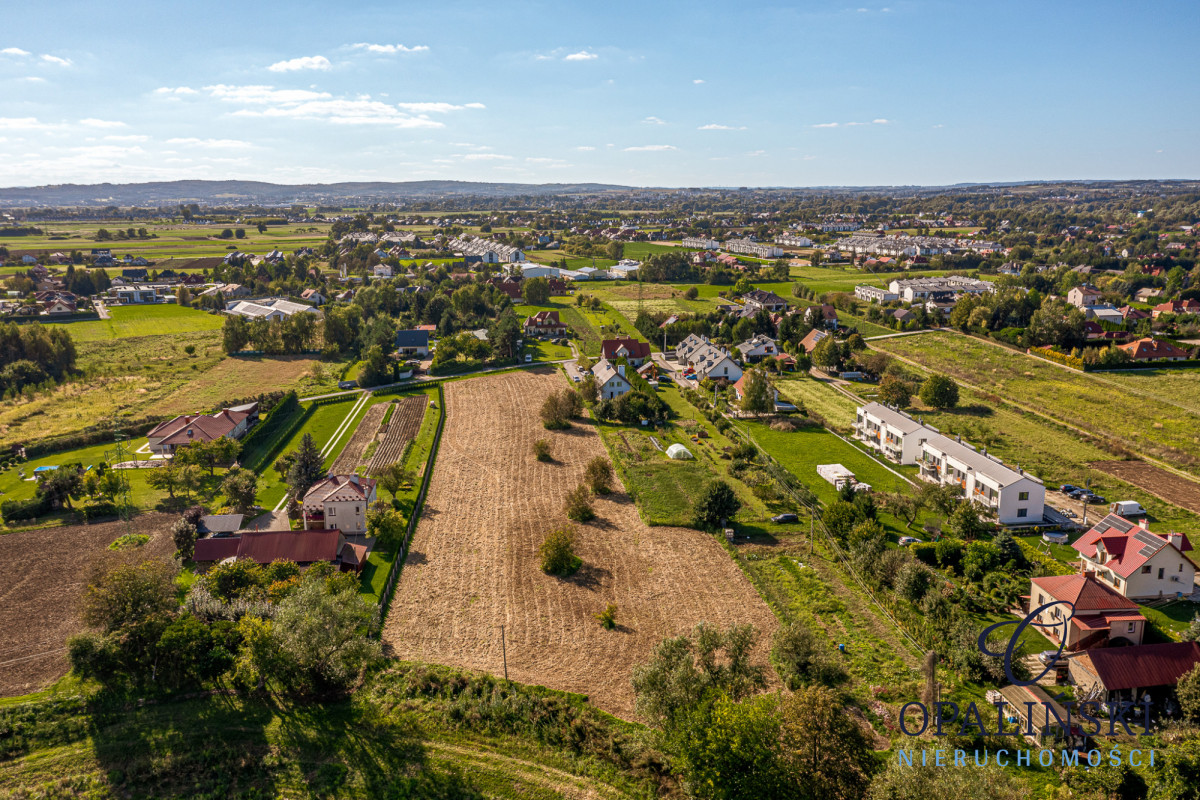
x: 130, y: 321
x: 399, y: 737
x: 1157, y: 420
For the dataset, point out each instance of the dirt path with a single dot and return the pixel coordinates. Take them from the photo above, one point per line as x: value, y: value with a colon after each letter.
x: 473, y: 565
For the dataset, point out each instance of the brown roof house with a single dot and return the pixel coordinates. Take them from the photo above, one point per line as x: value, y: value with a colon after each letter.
x: 544, y: 323
x: 631, y: 350
x: 339, y: 502
x: 1149, y: 349
x: 187, y: 428
x: 1100, y: 617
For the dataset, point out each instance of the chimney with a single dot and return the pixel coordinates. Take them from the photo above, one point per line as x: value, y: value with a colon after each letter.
x: 1144, y: 524
x: 1176, y: 540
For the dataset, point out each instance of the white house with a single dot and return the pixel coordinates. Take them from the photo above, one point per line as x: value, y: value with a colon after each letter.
x: 611, y: 379
x: 339, y: 502
x: 758, y: 348
x: 706, y: 359
x: 757, y: 249
x: 382, y: 270
x: 1135, y: 562
x: 700, y: 243
x: 538, y: 271
x: 875, y: 294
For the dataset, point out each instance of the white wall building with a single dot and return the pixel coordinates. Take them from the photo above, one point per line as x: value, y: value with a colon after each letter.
x: 757, y: 249
x: 792, y: 240
x: 611, y: 379
x: 700, y: 244
x: 875, y: 294
x: 1136, y: 562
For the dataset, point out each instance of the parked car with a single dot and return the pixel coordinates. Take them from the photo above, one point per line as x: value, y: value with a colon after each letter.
x: 528, y: 358
x: 664, y: 379
x: 1127, y: 508
x: 905, y: 541
x: 1079, y: 494
x: 577, y: 379
x: 1097, y: 500
x: 785, y: 518
x: 1067, y: 488
x: 347, y: 384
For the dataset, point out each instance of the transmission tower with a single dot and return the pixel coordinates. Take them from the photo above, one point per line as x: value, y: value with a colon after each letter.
x: 118, y: 455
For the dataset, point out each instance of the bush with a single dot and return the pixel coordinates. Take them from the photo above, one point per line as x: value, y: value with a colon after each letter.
x: 578, y: 505
x: 608, y: 617
x: 129, y: 541
x: 717, y: 505
x: 599, y: 475
x: 557, y: 552
x: 802, y: 657
x: 24, y: 509
x: 541, y: 450
x: 555, y: 415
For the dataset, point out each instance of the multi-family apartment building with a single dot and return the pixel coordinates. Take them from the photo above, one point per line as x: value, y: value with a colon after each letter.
x: 706, y: 359
x: 793, y: 240
x: 700, y: 243
x: 756, y: 249
x: 489, y: 250
x: 911, y: 290
x: 1015, y: 496
x: 875, y: 294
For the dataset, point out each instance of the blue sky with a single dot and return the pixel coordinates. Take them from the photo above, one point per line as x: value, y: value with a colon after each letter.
x: 647, y: 93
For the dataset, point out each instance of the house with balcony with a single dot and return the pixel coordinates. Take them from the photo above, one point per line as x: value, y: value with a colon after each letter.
x: 894, y: 433
x: 1137, y: 563
x: 1097, y: 616
x: 1013, y: 495
x: 338, y: 502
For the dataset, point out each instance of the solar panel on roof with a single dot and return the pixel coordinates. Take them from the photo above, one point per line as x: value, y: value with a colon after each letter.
x: 1151, y: 543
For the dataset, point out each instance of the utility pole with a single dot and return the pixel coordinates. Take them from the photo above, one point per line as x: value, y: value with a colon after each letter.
x: 504, y: 652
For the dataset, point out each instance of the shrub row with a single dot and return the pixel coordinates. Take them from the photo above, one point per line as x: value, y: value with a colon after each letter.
x: 32, y: 508
x: 1053, y: 355
x: 91, y: 436
x: 273, y: 433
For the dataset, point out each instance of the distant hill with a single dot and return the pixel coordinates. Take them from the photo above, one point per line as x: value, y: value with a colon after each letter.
x: 241, y: 192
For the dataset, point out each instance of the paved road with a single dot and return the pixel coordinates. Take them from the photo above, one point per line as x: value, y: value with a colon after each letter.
x: 101, y: 310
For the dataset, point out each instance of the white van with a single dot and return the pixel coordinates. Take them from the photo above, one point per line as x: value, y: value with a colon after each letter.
x: 1127, y: 508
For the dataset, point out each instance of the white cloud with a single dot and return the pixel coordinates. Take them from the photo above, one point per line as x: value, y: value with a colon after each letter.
x: 582, y: 55
x: 127, y: 137
x: 756, y: 153
x: 176, y: 91
x: 826, y: 125
x: 715, y: 127
x: 653, y: 121
x: 267, y: 101
x: 19, y: 123
x: 809, y: 158
x: 61, y: 62
x: 939, y: 125
x: 436, y: 108
x: 881, y: 122
x: 549, y: 162
x: 101, y: 123
x: 650, y: 148
x: 15, y: 51
x: 585, y: 147
x: 304, y: 62
x: 486, y: 157
x: 698, y: 80
x: 210, y: 143
x: 389, y: 49
x: 32, y: 79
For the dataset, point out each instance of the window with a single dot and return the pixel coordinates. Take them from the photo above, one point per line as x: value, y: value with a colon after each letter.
x: 1130, y: 627
x: 332, y: 511
x: 1022, y: 512
x: 1160, y: 573
x: 1023, y: 496
x: 1146, y: 570
x: 1181, y: 566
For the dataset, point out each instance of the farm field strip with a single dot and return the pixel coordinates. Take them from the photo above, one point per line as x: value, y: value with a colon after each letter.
x: 1175, y: 489
x: 1158, y: 432
x: 403, y: 427
x: 473, y: 562
x: 368, y: 428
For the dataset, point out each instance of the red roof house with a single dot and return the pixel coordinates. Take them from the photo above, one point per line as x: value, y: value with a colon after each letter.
x: 1134, y: 561
x: 545, y: 323
x: 166, y: 438
x: 1097, y: 615
x: 1150, y: 349
x: 632, y: 350
x: 1127, y: 673
x: 1177, y: 307
x: 302, y: 547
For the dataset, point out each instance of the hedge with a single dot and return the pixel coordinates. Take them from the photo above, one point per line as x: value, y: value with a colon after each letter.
x: 32, y: 508
x: 1053, y: 355
x: 92, y: 436
x: 262, y: 443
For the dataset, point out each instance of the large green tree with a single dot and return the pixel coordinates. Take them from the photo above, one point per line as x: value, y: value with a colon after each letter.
x: 939, y: 391
x: 307, y: 469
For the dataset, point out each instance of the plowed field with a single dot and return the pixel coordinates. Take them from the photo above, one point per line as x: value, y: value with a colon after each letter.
x: 473, y: 565
x: 42, y: 576
x: 403, y: 426
x: 1157, y: 481
x: 364, y: 434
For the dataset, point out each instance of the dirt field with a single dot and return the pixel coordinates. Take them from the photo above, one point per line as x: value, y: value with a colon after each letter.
x: 474, y: 566
x: 364, y: 434
x: 1155, y: 480
x: 403, y: 426
x: 42, y: 575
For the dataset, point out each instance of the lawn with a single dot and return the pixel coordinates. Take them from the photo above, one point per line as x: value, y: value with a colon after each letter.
x: 820, y: 398
x: 321, y: 424
x: 1151, y: 421
x: 664, y: 489
x: 542, y: 350
x: 586, y: 335
x: 130, y: 321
